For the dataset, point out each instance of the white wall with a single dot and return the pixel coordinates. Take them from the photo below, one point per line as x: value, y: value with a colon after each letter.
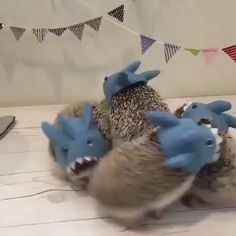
x: 65, y: 69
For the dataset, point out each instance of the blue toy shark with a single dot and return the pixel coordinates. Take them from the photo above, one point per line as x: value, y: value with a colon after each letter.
x: 126, y: 78
x: 186, y: 144
x: 213, y: 111
x: 77, y: 142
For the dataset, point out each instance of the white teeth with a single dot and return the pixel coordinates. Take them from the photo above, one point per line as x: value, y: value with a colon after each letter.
x: 214, y: 131
x: 79, y: 160
x: 72, y: 166
x: 187, y: 105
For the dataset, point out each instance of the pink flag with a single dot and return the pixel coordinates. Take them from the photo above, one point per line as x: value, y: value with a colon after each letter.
x: 210, y: 55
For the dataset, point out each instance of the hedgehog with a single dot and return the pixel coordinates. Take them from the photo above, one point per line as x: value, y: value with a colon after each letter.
x: 129, y: 98
x: 101, y: 119
x: 215, y: 184
x: 142, y: 177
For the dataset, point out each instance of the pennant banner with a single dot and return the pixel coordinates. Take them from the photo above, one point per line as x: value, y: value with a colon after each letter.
x: 170, y: 50
x: 210, y: 55
x: 77, y: 30
x: 17, y: 32
x: 118, y: 13
x: 58, y: 31
x: 146, y: 43
x: 231, y: 52
x: 194, y: 51
x: 94, y: 23
x: 40, y: 34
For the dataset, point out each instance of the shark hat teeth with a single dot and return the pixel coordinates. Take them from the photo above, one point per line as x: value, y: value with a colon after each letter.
x: 186, y: 105
x: 219, y: 140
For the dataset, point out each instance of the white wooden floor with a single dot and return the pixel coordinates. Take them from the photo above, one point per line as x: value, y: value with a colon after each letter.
x: 34, y: 202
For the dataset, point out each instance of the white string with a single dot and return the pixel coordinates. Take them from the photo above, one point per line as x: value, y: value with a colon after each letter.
x: 112, y: 21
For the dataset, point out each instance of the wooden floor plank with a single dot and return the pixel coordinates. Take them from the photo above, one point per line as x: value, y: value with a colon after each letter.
x: 35, y: 202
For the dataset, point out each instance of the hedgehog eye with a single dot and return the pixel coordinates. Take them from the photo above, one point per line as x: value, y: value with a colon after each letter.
x: 209, y: 142
x: 106, y: 78
x: 89, y: 142
x: 194, y: 106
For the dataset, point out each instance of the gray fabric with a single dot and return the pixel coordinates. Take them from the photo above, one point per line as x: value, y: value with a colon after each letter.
x: 18, y: 32
x: 6, y: 124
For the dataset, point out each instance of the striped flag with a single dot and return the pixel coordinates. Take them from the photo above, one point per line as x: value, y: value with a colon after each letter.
x: 118, y: 13
x: 58, y: 31
x: 231, y: 52
x: 94, y: 23
x: 146, y: 43
x: 170, y: 50
x: 40, y: 34
x: 77, y: 30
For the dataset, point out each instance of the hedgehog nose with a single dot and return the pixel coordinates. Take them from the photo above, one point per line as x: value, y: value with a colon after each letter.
x: 106, y: 78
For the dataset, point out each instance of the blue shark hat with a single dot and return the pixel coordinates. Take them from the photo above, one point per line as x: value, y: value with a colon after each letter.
x: 213, y: 111
x: 125, y: 79
x: 186, y: 144
x: 77, y: 142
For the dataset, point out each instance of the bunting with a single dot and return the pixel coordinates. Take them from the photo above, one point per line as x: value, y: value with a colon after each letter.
x: 118, y: 13
x: 231, y: 52
x: 77, y: 30
x: 209, y: 54
x: 146, y: 43
x: 17, y: 32
x: 170, y: 50
x: 94, y: 23
x: 58, y: 31
x: 40, y: 34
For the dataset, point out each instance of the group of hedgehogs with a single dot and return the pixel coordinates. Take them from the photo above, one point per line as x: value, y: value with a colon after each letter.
x: 130, y: 183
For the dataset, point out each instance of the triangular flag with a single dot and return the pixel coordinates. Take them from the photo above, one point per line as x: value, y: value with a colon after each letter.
x: 77, y: 30
x: 146, y: 43
x: 58, y: 31
x: 118, y: 13
x: 210, y: 55
x: 17, y: 31
x: 194, y: 51
x: 170, y: 50
x: 40, y: 34
x: 94, y: 23
x: 231, y: 52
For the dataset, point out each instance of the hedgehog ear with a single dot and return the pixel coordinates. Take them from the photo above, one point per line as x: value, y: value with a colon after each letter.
x: 88, y: 115
x: 162, y: 119
x: 148, y: 75
x: 55, y: 135
x: 132, y: 67
x: 219, y: 106
x: 66, y: 127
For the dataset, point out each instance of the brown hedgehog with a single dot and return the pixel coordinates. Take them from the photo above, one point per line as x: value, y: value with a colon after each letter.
x: 129, y: 98
x: 135, y: 179
x: 215, y: 184
x: 101, y: 118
